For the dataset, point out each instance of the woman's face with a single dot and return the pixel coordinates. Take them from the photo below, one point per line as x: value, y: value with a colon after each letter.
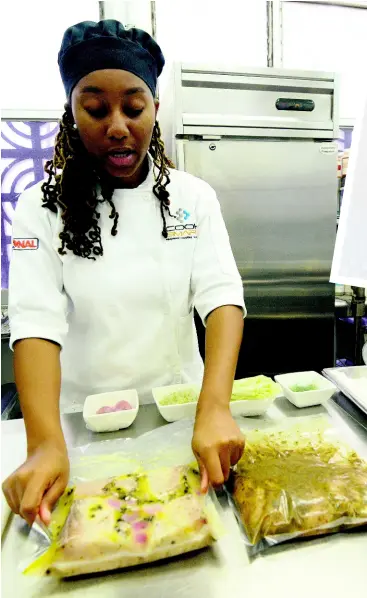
x: 115, y: 113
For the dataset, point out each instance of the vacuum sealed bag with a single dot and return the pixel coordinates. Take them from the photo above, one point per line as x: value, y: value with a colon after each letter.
x: 148, y: 514
x: 297, y: 482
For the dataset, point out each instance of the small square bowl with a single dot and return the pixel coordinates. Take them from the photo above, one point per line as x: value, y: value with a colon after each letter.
x: 251, y: 407
x: 307, y: 398
x: 172, y: 413
x: 110, y: 422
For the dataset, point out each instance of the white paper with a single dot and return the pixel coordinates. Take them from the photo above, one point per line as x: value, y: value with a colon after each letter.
x: 350, y: 254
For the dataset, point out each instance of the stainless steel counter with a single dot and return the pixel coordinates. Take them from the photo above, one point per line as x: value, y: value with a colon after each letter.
x: 325, y: 566
x: 77, y: 434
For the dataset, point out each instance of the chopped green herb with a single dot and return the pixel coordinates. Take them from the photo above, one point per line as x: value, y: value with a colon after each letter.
x: 303, y: 387
x: 181, y: 397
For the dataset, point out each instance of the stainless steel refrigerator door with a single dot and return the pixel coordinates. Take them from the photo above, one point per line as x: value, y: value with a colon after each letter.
x: 279, y: 201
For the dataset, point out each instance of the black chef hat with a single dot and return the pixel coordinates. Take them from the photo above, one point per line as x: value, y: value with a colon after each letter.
x: 90, y: 46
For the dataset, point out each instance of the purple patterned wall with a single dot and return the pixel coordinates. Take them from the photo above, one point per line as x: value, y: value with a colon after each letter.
x: 345, y: 139
x: 25, y: 147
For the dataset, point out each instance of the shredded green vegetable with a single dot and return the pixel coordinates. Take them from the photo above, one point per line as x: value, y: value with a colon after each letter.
x: 258, y: 387
x: 248, y: 389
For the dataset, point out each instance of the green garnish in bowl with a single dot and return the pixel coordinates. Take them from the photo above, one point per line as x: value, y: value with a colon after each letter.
x: 303, y: 387
x: 181, y: 397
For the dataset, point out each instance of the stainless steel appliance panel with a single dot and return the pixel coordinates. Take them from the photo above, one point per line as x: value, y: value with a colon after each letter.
x: 206, y: 106
x: 246, y: 98
x: 278, y: 199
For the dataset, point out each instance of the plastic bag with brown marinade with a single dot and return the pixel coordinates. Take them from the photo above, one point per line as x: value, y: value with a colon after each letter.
x: 298, y: 482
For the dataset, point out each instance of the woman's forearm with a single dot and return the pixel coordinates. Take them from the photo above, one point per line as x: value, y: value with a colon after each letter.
x: 38, y: 378
x: 217, y: 441
x: 223, y: 340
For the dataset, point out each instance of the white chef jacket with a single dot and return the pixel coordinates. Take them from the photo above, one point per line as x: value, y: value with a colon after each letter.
x: 124, y: 320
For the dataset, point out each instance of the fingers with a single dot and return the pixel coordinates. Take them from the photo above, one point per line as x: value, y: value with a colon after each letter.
x: 210, y: 470
x: 50, y: 498
x: 229, y: 456
x: 213, y: 467
x: 237, y: 452
x: 23, y: 496
x: 37, y: 484
x: 45, y: 514
x: 203, y: 476
x: 31, y: 498
x: 10, y: 498
x: 215, y: 464
x: 204, y: 481
x: 11, y: 494
x: 225, y: 461
x: 236, y: 455
x: 218, y: 445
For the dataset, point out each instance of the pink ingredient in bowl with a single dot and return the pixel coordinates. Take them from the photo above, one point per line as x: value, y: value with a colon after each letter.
x: 122, y: 406
x: 105, y: 409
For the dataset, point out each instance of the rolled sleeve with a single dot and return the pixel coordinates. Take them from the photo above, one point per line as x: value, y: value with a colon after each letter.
x: 37, y: 301
x: 215, y: 278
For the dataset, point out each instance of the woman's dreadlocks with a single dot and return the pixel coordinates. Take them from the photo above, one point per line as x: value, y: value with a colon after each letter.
x: 73, y: 184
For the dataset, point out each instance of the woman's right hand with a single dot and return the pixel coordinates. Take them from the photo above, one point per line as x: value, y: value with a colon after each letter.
x: 35, y: 486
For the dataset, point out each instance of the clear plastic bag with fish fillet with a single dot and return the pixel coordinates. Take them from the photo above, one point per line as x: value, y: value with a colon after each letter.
x: 127, y: 508
x: 298, y: 481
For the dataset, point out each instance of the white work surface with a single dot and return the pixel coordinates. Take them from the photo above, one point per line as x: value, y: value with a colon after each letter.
x: 328, y: 567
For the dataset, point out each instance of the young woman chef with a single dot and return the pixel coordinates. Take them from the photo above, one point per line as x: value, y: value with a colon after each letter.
x: 110, y: 256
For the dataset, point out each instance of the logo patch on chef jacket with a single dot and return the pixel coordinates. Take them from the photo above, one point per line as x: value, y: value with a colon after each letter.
x: 181, y: 231
x: 27, y: 244
x: 182, y: 215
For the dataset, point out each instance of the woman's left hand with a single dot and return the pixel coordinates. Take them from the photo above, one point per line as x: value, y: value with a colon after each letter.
x: 217, y: 443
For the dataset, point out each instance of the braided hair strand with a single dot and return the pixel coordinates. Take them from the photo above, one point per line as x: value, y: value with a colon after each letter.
x: 73, y: 185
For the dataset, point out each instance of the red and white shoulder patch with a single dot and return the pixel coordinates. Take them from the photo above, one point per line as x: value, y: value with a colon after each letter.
x: 25, y: 244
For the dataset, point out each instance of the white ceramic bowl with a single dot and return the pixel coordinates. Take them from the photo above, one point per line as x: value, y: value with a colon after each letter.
x: 308, y: 398
x: 110, y: 422
x: 172, y: 413
x: 248, y: 408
